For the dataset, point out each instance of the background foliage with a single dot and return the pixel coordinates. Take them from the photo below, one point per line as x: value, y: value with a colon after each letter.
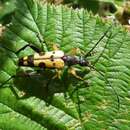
x: 69, y: 29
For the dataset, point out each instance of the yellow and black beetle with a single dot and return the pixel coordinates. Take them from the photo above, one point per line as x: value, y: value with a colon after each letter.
x: 52, y: 59
x: 57, y: 59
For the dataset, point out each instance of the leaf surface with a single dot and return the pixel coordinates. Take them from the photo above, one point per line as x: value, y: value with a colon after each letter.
x: 69, y: 29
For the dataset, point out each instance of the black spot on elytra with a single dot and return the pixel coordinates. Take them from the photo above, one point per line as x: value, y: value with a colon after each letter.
x: 42, y: 65
x: 52, y: 58
x: 53, y: 52
x: 54, y: 64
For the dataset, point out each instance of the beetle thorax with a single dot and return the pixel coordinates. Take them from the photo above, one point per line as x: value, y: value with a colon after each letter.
x: 73, y: 60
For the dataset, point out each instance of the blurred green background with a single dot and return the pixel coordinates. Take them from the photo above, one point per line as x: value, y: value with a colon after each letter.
x: 102, y: 7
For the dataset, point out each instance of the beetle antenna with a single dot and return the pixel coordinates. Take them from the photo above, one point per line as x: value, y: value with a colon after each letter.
x: 98, y: 41
x: 107, y: 81
x: 103, y: 50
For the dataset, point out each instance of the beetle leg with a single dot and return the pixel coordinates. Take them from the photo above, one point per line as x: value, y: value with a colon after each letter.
x: 55, y: 47
x: 74, y: 51
x: 73, y: 72
x: 77, y: 51
x: 57, y: 75
x: 19, y: 95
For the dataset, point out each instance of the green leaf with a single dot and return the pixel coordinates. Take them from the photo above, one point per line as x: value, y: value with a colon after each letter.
x: 7, y: 8
x: 69, y: 29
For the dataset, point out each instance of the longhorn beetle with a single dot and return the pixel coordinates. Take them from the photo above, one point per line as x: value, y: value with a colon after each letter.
x: 57, y: 59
